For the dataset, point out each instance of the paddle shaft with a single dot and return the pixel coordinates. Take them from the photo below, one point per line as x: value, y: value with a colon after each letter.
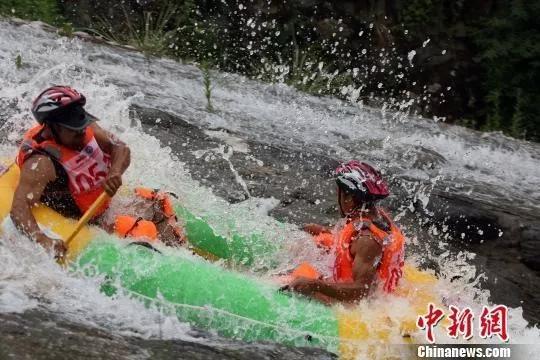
x: 87, y: 216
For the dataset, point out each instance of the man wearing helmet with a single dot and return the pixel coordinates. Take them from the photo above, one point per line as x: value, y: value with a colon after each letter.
x: 66, y: 162
x: 368, y: 246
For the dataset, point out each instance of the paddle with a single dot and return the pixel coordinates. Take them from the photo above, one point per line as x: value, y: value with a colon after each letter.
x: 87, y: 216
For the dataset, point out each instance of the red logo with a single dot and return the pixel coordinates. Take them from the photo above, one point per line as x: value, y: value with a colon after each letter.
x: 494, y: 322
x: 461, y: 323
x: 429, y: 321
x: 491, y: 322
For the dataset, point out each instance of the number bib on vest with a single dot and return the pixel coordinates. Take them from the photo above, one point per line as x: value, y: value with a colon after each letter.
x: 88, y: 169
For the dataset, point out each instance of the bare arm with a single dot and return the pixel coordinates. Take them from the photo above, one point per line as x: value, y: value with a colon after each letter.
x: 36, y: 173
x: 315, y: 229
x: 366, y: 252
x: 120, y: 157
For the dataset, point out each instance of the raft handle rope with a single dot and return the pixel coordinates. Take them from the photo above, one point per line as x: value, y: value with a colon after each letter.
x: 298, y: 333
x: 145, y: 245
x: 133, y: 226
x: 326, y: 339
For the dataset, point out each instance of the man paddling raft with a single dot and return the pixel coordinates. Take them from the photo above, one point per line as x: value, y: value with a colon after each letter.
x: 367, y: 245
x: 67, y: 161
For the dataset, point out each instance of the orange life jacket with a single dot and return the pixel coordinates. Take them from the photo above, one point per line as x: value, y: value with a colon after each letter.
x: 130, y: 226
x: 86, y: 169
x: 126, y: 225
x: 390, y: 267
x: 324, y: 240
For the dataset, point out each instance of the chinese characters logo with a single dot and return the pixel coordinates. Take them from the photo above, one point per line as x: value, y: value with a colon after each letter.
x: 492, y: 321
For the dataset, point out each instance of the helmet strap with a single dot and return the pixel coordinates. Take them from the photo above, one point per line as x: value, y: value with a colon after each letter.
x: 339, y: 202
x: 360, y: 209
x: 54, y: 132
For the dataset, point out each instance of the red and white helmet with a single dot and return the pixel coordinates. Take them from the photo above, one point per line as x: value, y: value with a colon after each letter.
x: 53, y: 100
x: 361, y: 180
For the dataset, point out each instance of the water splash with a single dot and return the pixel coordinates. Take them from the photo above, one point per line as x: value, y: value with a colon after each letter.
x: 114, y: 79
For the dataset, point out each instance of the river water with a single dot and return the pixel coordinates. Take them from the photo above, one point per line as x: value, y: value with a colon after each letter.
x: 47, y: 312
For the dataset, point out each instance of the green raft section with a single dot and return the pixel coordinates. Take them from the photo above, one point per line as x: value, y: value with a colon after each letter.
x: 237, y: 248
x: 209, y: 297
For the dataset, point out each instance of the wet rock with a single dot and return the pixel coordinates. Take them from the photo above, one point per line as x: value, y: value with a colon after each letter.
x: 38, y: 335
x: 299, y: 180
x: 510, y: 277
x: 202, y: 154
x: 422, y: 158
x: 530, y: 246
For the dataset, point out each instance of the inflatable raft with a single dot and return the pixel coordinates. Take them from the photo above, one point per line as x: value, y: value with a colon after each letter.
x: 232, y: 304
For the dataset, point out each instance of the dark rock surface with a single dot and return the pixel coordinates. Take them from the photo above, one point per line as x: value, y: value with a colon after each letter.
x: 530, y: 245
x: 504, y: 236
x: 35, y: 335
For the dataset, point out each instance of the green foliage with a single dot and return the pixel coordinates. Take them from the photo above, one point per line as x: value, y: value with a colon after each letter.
x: 470, y: 123
x: 493, y: 120
x: 18, y: 62
x: 418, y: 14
x: 509, y: 49
x: 44, y: 10
x: 304, y: 70
x: 207, y: 82
x: 518, y: 123
x: 66, y: 29
x: 434, y: 18
x: 150, y: 32
x: 197, y: 37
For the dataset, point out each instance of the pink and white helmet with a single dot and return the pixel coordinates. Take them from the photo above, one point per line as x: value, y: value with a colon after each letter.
x: 361, y: 180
